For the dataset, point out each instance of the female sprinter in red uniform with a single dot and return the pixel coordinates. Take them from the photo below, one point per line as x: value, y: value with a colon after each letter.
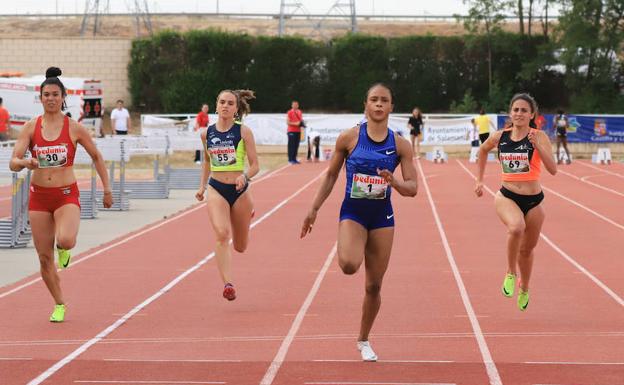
x: 521, y: 151
x: 54, y: 203
x: 226, y: 143
x: 371, y: 152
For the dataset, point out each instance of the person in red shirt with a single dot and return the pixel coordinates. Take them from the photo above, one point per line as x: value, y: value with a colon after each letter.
x: 294, y: 119
x: 201, y: 121
x: 5, y: 123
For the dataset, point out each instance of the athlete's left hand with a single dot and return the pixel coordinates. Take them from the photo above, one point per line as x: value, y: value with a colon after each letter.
x: 107, y: 200
x: 308, y: 223
x: 241, y: 181
x: 533, y: 138
x: 387, y: 175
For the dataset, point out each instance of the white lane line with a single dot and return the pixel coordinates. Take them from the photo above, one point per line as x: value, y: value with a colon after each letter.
x: 271, y: 372
x: 604, y: 218
x: 81, y: 349
x: 490, y: 366
x: 15, y: 359
x: 601, y: 169
x: 394, y: 361
x: 584, y: 180
x: 129, y: 238
x: 574, y: 263
x: 145, y: 382
x: 571, y: 363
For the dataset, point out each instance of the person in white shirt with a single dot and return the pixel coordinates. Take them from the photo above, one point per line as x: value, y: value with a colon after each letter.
x: 120, y: 119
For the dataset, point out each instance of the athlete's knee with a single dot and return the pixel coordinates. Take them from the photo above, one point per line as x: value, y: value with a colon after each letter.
x: 516, y: 229
x: 65, y: 242
x: 349, y: 267
x: 46, y: 262
x: 373, y: 288
x: 222, y: 235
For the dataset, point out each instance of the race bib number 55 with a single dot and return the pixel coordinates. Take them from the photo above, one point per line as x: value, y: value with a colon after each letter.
x: 222, y: 156
x: 515, y: 162
x: 368, y: 187
x: 51, y: 156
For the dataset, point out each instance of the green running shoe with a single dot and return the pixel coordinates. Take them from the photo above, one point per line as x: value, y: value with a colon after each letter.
x: 523, y: 299
x: 508, y: 285
x: 64, y: 256
x: 58, y: 315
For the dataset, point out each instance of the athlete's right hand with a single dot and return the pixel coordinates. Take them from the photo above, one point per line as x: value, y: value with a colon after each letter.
x: 479, y: 189
x: 308, y: 222
x: 31, y: 163
x: 199, y: 195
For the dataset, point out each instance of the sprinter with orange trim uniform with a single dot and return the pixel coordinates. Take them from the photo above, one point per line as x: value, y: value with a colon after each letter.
x: 521, y: 151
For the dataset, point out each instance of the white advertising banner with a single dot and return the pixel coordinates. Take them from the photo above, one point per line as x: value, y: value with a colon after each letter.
x: 270, y: 129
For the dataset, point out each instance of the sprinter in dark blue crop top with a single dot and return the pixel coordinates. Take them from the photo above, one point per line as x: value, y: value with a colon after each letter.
x: 371, y: 151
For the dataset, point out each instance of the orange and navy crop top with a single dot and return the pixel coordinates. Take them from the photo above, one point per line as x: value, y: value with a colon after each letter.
x: 53, y: 153
x: 519, y: 160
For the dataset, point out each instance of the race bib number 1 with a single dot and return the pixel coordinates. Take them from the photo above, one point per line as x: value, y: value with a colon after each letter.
x: 515, y: 162
x: 368, y: 187
x: 51, y: 156
x: 222, y: 156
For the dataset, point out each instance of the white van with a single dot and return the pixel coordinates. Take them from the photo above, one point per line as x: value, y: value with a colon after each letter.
x: 21, y: 98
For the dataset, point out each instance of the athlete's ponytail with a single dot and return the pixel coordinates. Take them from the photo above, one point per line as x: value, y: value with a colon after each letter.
x: 52, y: 75
x: 242, y: 101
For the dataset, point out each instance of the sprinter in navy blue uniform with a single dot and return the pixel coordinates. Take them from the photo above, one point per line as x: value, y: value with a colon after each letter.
x: 371, y: 151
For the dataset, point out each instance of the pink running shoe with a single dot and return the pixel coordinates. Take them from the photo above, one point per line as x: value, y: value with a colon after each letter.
x: 228, y: 292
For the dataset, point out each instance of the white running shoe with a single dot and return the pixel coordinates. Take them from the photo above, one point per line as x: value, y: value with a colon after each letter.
x: 367, y: 351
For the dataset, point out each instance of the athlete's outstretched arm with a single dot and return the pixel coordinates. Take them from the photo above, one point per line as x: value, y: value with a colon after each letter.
x: 83, y: 137
x: 199, y: 195
x: 409, y: 186
x: 484, y: 149
x: 343, y: 144
x: 17, y: 162
x: 540, y: 140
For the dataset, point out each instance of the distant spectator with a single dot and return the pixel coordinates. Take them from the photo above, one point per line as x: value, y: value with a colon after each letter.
x: 120, y: 119
x: 484, y: 124
x: 314, y: 140
x: 5, y: 123
x: 415, y: 125
x: 561, y: 124
x: 294, y: 119
x: 201, y: 121
x: 540, y: 121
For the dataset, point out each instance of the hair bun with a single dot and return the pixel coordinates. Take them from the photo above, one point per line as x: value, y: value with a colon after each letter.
x: 53, y: 72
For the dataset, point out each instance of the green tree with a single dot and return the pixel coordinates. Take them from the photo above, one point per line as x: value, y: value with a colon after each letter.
x: 591, y: 34
x: 485, y: 18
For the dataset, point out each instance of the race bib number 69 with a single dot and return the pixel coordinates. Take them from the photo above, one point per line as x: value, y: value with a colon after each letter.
x: 515, y: 162
x: 368, y: 187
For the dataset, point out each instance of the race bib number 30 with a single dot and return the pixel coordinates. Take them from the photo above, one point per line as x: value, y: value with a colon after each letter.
x: 515, y: 162
x: 222, y: 156
x: 51, y: 156
x: 368, y: 187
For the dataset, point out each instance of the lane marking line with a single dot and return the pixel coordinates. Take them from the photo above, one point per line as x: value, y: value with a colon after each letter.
x: 70, y: 357
x: 589, y: 275
x: 145, y: 382
x: 571, y: 363
x: 277, y: 362
x: 80, y: 259
x: 600, y: 169
x: 490, y: 365
x: 584, y: 180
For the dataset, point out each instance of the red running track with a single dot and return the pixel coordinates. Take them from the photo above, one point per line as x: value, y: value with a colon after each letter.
x: 443, y: 319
